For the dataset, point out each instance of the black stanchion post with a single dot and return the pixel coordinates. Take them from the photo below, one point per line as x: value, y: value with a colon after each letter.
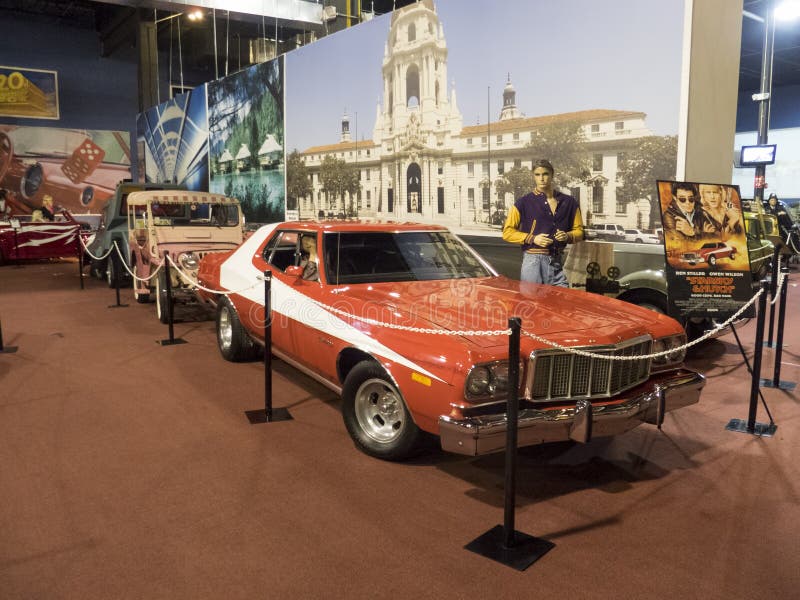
x: 503, y: 543
x: 776, y: 382
x: 168, y: 285
x: 5, y: 349
x: 80, y: 259
x: 776, y: 269
x: 116, y: 261
x: 750, y: 426
x: 269, y: 414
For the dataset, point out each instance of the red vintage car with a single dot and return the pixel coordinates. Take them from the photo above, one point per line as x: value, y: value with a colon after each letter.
x: 23, y: 239
x: 709, y: 253
x: 408, y: 324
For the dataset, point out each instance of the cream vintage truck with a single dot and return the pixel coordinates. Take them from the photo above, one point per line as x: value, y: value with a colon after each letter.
x: 185, y: 226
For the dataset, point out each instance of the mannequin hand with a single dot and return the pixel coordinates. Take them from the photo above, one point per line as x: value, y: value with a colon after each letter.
x: 561, y: 236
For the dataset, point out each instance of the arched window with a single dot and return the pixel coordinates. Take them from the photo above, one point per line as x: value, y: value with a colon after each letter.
x: 412, y: 86
x: 414, y: 188
x: 412, y: 32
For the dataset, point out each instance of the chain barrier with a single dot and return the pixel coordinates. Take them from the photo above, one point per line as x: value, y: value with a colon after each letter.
x: 781, y: 279
x: 131, y: 273
x: 92, y: 256
x: 193, y: 284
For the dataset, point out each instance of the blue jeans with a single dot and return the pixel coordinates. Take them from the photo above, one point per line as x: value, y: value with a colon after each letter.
x: 543, y: 268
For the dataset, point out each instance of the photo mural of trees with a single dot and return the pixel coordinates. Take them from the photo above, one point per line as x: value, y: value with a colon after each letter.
x: 246, y: 139
x: 651, y: 158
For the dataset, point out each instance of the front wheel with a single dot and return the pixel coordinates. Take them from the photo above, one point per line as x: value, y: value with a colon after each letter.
x: 162, y: 307
x: 233, y: 341
x: 376, y: 416
x: 712, y: 260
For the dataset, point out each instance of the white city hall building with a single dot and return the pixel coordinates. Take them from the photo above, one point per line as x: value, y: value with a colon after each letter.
x: 424, y: 165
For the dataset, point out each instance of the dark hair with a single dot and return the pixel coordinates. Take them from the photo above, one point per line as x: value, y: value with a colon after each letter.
x: 682, y: 185
x: 771, y: 196
x: 544, y: 164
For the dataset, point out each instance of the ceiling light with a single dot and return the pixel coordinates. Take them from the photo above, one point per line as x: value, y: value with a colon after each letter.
x: 787, y: 10
x: 195, y: 15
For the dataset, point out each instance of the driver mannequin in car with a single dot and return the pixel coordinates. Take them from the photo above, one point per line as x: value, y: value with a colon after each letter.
x: 309, y: 261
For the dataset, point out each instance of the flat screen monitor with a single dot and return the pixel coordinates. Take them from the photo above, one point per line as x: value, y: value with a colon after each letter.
x: 755, y: 156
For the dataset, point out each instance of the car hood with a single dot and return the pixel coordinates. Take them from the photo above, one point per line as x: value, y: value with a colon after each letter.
x: 573, y: 317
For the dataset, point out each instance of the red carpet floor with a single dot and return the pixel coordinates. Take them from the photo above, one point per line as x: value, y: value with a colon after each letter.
x: 129, y: 470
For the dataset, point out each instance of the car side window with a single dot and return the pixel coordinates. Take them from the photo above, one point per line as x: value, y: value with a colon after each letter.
x: 282, y: 251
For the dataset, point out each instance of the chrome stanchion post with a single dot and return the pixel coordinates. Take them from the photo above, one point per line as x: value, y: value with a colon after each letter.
x: 750, y: 426
x: 80, y: 259
x: 269, y: 414
x: 503, y: 543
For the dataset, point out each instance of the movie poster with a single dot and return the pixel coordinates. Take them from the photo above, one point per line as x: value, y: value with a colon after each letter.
x: 707, y: 260
x: 29, y: 93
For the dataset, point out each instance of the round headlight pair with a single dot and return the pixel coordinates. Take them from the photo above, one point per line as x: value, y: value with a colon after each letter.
x: 676, y: 344
x: 487, y: 380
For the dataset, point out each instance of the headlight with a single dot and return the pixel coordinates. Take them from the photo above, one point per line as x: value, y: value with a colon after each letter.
x: 189, y: 261
x: 675, y: 343
x: 487, y: 381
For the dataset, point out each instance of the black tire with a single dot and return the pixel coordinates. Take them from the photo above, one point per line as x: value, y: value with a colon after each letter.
x: 161, y: 299
x: 376, y: 416
x: 648, y: 299
x: 234, y: 343
x: 712, y: 261
x: 97, y: 268
x: 733, y: 254
x: 109, y: 271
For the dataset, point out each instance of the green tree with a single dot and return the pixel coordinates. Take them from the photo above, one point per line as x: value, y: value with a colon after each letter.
x: 651, y: 158
x: 564, y: 145
x: 338, y: 178
x: 298, y: 180
x: 517, y: 181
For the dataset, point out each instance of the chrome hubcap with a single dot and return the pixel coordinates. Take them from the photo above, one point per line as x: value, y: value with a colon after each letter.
x: 225, y: 328
x: 379, y: 410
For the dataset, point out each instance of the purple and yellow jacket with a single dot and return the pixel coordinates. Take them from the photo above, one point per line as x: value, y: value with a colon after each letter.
x: 531, y: 216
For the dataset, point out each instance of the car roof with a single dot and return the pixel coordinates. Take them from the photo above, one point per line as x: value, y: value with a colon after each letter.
x: 142, y: 197
x: 358, y: 225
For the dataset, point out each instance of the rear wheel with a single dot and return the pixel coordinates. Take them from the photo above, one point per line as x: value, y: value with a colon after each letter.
x: 110, y: 270
x: 234, y: 342
x: 375, y: 415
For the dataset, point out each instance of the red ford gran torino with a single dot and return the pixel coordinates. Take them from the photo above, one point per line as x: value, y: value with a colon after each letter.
x: 408, y: 324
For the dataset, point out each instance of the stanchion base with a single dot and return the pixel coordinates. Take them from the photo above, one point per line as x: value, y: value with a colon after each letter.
x: 260, y: 416
x: 117, y: 305
x: 782, y: 385
x: 525, y: 551
x: 773, y: 345
x: 760, y: 429
x: 172, y: 342
x: 8, y: 350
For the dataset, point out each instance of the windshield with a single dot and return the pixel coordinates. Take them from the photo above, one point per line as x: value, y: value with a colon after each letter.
x: 370, y: 257
x: 195, y: 214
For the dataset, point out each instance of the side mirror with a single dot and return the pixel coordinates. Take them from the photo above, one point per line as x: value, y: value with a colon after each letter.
x: 294, y: 271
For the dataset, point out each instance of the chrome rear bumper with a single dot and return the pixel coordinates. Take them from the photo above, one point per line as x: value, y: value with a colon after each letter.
x: 646, y: 403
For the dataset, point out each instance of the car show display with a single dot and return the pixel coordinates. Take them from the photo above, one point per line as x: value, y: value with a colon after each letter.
x: 24, y: 239
x: 408, y: 324
x: 168, y: 235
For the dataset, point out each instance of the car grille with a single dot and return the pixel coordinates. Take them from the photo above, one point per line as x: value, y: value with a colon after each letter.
x: 555, y: 375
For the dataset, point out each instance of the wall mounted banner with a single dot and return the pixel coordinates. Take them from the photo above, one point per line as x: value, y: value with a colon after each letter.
x: 707, y: 260
x: 29, y: 93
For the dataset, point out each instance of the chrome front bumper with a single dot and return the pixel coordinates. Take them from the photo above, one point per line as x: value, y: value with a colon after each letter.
x: 646, y: 403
